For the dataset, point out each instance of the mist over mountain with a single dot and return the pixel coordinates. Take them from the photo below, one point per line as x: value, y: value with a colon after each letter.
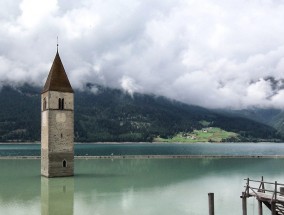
x: 105, y: 114
x: 225, y: 55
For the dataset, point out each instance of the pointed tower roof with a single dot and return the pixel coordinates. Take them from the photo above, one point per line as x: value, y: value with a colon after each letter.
x: 57, y: 79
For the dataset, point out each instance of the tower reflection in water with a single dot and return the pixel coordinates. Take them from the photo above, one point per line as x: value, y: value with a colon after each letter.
x: 57, y: 196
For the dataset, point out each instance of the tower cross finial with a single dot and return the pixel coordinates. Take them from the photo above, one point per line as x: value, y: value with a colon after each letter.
x: 57, y: 44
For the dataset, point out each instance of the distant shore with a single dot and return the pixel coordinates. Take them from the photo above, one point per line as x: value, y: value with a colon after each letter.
x: 134, y: 143
x: 99, y: 143
x: 151, y: 157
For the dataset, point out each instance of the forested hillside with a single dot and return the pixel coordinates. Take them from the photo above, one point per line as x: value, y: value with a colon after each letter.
x: 270, y: 116
x: 112, y: 115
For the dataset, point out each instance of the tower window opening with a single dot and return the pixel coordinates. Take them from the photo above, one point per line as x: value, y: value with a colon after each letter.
x: 64, y: 163
x: 61, y: 104
x: 61, y: 135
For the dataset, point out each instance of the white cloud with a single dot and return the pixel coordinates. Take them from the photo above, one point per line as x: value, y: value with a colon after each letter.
x: 78, y: 23
x: 34, y: 12
x: 209, y: 53
x: 258, y: 92
x: 128, y: 84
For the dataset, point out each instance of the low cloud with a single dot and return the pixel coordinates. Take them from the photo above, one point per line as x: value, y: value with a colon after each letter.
x: 128, y: 84
x: 217, y: 54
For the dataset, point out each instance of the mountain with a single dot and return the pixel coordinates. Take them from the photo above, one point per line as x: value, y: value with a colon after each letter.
x: 270, y: 116
x: 266, y: 116
x: 104, y: 114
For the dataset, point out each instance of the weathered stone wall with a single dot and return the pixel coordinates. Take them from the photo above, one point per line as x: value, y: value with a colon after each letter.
x: 44, y: 137
x: 60, y: 131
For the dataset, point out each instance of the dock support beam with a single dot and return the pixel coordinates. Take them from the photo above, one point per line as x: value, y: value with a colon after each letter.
x: 273, y: 208
x: 260, y: 207
x: 244, y: 203
x: 211, y: 203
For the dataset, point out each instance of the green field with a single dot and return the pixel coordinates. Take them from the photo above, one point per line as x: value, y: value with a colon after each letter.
x: 210, y: 134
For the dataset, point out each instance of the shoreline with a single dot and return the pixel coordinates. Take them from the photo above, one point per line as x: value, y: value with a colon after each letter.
x: 107, y: 143
x: 135, y: 143
x: 151, y: 157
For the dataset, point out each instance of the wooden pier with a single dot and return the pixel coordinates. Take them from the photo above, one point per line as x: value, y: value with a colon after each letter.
x: 271, y: 194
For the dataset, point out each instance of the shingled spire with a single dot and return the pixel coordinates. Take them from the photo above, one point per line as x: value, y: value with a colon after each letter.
x: 57, y: 79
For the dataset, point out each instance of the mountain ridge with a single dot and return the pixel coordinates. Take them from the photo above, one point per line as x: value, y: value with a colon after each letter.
x: 111, y: 115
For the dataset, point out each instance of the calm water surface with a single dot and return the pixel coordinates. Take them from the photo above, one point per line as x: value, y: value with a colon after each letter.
x: 137, y: 186
x: 154, y: 149
x: 133, y: 186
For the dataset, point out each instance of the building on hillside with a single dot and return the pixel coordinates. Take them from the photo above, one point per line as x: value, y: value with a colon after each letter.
x: 57, y: 123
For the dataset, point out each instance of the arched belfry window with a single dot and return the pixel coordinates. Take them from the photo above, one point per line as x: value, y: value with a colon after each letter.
x: 61, y: 104
x: 44, y: 104
x: 64, y: 163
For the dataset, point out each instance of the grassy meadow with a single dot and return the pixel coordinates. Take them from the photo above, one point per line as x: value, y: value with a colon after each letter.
x: 210, y: 134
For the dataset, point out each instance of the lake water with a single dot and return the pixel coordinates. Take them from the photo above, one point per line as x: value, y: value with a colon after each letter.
x: 136, y: 186
x: 229, y: 149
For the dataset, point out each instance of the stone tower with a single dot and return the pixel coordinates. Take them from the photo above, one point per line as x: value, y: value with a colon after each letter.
x: 57, y: 123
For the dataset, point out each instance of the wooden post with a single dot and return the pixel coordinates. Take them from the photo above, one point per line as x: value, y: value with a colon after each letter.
x: 275, y: 190
x: 273, y: 208
x: 211, y: 203
x: 263, y: 188
x: 244, y: 203
x: 247, y: 188
x: 259, y: 207
x: 273, y: 202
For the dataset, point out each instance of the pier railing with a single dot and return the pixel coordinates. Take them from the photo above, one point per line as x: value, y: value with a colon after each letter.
x: 269, y: 193
x: 261, y: 188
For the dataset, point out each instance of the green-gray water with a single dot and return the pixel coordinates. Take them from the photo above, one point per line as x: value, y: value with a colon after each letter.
x: 210, y: 149
x: 133, y: 186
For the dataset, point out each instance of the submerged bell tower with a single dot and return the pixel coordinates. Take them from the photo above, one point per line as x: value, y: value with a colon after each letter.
x: 57, y: 123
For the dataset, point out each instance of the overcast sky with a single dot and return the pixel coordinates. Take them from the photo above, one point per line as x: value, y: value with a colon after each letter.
x: 213, y: 53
